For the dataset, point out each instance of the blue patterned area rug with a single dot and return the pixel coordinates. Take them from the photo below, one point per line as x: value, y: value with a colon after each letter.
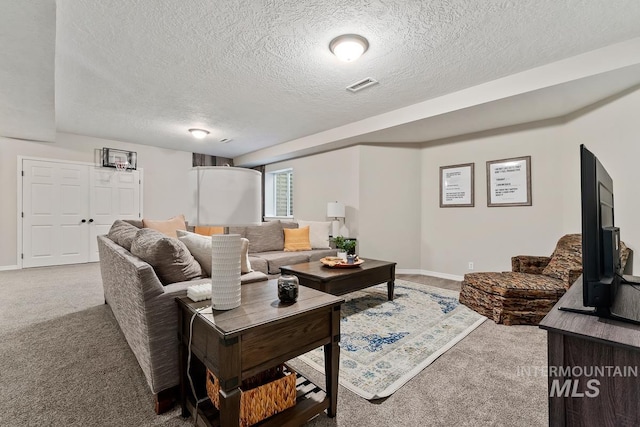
x: 385, y: 343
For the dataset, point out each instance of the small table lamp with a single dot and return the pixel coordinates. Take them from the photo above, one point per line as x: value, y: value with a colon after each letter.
x: 335, y: 210
x: 227, y: 196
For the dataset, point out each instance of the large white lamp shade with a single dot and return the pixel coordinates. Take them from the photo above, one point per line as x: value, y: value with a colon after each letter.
x: 226, y: 196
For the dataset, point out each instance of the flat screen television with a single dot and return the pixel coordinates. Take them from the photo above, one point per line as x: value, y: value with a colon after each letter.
x: 601, y: 271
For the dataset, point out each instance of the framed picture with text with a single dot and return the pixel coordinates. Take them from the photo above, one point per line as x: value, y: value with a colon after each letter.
x: 509, y: 182
x: 456, y: 186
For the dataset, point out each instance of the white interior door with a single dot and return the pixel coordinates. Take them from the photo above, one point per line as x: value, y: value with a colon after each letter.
x: 55, y: 213
x: 114, y: 195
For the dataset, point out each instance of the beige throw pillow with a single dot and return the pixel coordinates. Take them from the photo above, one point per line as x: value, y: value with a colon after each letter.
x: 318, y: 233
x: 168, y: 227
x: 245, y: 264
x: 200, y: 248
x: 169, y: 257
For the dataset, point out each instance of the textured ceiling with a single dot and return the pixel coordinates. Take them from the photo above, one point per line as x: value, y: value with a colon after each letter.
x: 260, y: 72
x: 27, y: 45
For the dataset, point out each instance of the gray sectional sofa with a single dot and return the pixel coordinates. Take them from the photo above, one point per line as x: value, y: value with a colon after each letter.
x: 144, y: 305
x: 266, y: 247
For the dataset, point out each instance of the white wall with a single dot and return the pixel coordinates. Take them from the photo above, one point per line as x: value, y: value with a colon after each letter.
x: 380, y: 187
x: 323, y: 178
x: 390, y: 183
x: 451, y: 237
x: 489, y: 236
x: 611, y: 131
x: 165, y: 178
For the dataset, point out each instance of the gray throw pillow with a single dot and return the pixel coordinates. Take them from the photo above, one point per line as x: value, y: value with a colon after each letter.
x: 122, y: 233
x: 169, y: 257
x: 265, y: 237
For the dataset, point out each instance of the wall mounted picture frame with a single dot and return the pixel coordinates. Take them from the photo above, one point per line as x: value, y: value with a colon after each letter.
x: 509, y: 182
x: 112, y: 157
x: 456, y: 186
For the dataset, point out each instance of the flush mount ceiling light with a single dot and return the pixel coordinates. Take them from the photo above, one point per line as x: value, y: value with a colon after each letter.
x: 199, y: 133
x: 348, y: 47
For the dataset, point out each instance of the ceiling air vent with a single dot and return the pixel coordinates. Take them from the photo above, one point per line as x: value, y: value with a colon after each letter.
x: 225, y: 140
x: 364, y: 83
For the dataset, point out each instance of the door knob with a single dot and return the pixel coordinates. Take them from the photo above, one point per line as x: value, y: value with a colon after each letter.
x: 91, y: 220
x: 83, y: 221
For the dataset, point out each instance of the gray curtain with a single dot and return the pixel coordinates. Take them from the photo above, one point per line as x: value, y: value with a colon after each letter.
x: 261, y: 170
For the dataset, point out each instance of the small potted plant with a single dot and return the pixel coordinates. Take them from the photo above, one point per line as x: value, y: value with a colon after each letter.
x: 345, y: 247
x: 340, y: 241
x: 349, y: 247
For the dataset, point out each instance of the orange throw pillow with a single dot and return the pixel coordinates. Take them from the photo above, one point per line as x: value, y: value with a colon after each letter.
x: 167, y: 227
x: 296, y: 239
x: 208, y: 231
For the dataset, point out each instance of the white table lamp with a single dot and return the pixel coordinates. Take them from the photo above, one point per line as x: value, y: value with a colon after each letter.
x: 226, y: 196
x: 335, y: 210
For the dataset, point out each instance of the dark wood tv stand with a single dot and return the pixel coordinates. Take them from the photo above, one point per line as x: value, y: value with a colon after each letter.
x: 588, y: 342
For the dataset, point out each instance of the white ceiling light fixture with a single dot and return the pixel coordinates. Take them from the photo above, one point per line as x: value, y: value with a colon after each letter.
x: 199, y: 133
x: 348, y: 47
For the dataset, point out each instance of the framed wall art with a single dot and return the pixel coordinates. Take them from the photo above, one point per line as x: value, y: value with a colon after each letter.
x: 509, y: 182
x: 456, y: 186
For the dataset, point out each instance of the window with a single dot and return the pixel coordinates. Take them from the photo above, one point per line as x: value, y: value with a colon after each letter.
x: 279, y: 193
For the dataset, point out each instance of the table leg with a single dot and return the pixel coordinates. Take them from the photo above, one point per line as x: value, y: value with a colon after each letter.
x: 332, y: 364
x: 182, y: 357
x: 230, y: 407
x: 391, y: 283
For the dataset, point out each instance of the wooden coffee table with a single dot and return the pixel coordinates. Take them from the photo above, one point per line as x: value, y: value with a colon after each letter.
x: 340, y: 281
x: 260, y: 334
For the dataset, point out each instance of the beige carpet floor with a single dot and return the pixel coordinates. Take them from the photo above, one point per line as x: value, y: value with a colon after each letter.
x: 64, y: 362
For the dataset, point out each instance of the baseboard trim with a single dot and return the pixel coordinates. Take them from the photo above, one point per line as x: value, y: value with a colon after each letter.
x: 430, y: 273
x: 9, y: 267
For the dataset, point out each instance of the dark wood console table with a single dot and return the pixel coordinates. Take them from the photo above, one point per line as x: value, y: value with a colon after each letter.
x: 260, y: 334
x: 586, y: 342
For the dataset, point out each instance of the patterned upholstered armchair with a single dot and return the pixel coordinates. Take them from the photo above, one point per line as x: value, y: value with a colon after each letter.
x: 525, y: 295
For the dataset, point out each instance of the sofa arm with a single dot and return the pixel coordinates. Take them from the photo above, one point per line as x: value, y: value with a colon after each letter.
x: 529, y: 264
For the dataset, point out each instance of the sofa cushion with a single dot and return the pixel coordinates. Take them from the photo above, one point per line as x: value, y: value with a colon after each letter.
x: 296, y: 239
x: 169, y: 257
x: 167, y: 227
x: 318, y: 233
x: 265, y: 237
x: 259, y: 264
x: 566, y: 257
x: 289, y: 224
x: 200, y: 248
x: 318, y: 254
x: 122, y: 233
x: 515, y: 285
x: 275, y: 260
x: 242, y: 231
x: 254, y: 276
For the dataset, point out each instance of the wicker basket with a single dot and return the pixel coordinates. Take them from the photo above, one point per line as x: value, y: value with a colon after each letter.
x: 261, y: 396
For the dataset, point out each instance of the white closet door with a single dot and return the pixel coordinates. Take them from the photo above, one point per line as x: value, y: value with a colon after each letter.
x: 114, y: 195
x: 54, y: 207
